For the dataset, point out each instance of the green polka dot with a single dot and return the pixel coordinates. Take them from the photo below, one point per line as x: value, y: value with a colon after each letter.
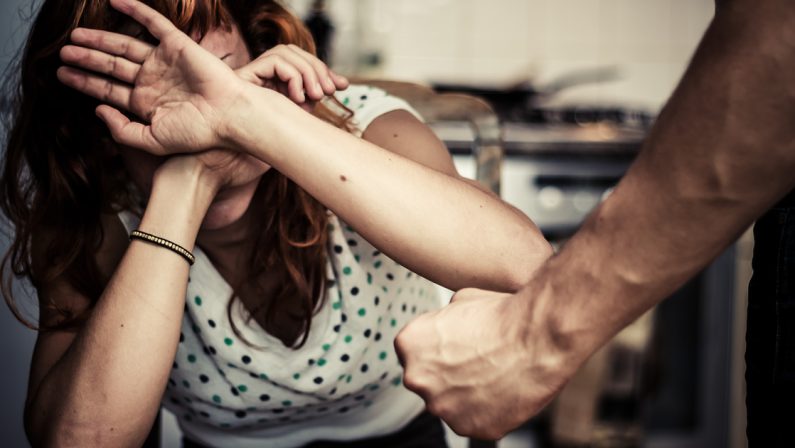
x: 347, y: 270
x: 369, y: 278
x: 263, y: 376
x: 385, y: 289
x: 336, y: 305
x: 287, y: 403
x: 377, y: 264
x: 374, y: 387
x: 346, y: 101
x: 349, y: 379
x: 380, y: 319
x: 242, y: 388
x: 321, y: 362
x: 228, y: 341
x: 382, y: 356
x: 357, y: 258
x: 225, y: 425
x: 198, y: 300
x: 368, y: 403
x: 396, y: 381
x: 191, y: 358
x: 326, y: 347
x: 296, y: 376
x: 393, y: 322
x: 216, y: 398
x: 186, y: 383
x: 348, y: 339
x: 339, y: 378
x: 362, y: 311
x: 400, y: 290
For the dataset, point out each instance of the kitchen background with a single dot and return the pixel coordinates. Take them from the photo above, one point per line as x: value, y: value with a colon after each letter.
x: 599, y: 55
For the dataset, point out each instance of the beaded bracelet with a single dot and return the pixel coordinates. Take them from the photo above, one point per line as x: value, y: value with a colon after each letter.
x: 162, y: 242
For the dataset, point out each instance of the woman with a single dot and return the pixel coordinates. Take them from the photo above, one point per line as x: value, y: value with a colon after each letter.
x: 281, y: 332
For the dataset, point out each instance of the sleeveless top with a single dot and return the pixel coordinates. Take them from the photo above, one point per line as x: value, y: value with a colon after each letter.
x: 344, y: 383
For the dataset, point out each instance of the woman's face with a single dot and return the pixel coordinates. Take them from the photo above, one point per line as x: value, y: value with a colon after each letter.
x: 231, y: 202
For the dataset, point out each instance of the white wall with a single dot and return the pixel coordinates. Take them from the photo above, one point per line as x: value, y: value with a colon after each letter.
x: 505, y: 41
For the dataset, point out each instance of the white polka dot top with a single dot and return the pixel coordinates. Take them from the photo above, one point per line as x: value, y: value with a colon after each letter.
x: 344, y: 383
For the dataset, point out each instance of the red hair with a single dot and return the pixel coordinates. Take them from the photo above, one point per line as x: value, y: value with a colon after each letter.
x: 61, y: 172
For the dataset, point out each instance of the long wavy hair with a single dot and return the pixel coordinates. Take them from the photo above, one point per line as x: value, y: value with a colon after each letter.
x: 62, y: 172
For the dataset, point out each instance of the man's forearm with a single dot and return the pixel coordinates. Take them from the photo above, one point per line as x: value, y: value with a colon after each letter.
x: 721, y: 152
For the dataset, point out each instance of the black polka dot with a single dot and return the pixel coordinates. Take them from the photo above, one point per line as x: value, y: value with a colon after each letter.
x: 376, y: 301
x: 354, y: 291
x: 344, y: 409
x: 264, y: 397
x: 181, y: 337
x: 323, y: 409
x: 172, y: 382
x: 376, y: 253
x: 414, y: 309
x: 246, y: 359
x: 284, y: 419
x: 377, y: 336
x: 175, y: 366
x: 383, y: 377
x: 344, y: 317
x: 318, y: 380
x: 409, y: 274
x: 212, y: 350
x: 390, y: 277
x: 204, y: 414
x: 337, y: 328
x: 345, y: 358
x: 367, y: 333
x: 359, y: 397
x: 278, y: 411
x: 204, y: 378
x: 363, y: 97
x: 240, y: 414
x: 403, y: 308
x: 211, y: 323
x: 234, y: 391
x: 338, y: 248
x: 311, y: 362
x: 364, y: 368
x: 352, y: 243
x: 332, y: 391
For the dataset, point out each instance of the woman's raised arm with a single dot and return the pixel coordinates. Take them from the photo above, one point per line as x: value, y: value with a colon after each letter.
x: 418, y: 212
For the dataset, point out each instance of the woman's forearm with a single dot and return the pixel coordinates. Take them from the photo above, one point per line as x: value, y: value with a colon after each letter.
x: 106, y: 388
x: 439, y: 226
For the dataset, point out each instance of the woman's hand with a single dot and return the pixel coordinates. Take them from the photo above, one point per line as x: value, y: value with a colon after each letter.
x: 295, y: 73
x: 216, y: 169
x: 185, y: 93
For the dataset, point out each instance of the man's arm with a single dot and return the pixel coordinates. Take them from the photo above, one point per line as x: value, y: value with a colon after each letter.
x: 720, y: 154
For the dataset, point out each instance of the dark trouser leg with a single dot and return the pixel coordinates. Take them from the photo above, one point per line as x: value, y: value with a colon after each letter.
x: 770, y: 352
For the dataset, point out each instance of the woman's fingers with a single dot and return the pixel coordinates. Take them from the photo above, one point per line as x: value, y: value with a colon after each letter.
x: 100, y: 62
x: 128, y: 132
x: 100, y: 88
x: 330, y: 81
x: 310, y: 78
x: 152, y: 20
x: 127, y: 47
